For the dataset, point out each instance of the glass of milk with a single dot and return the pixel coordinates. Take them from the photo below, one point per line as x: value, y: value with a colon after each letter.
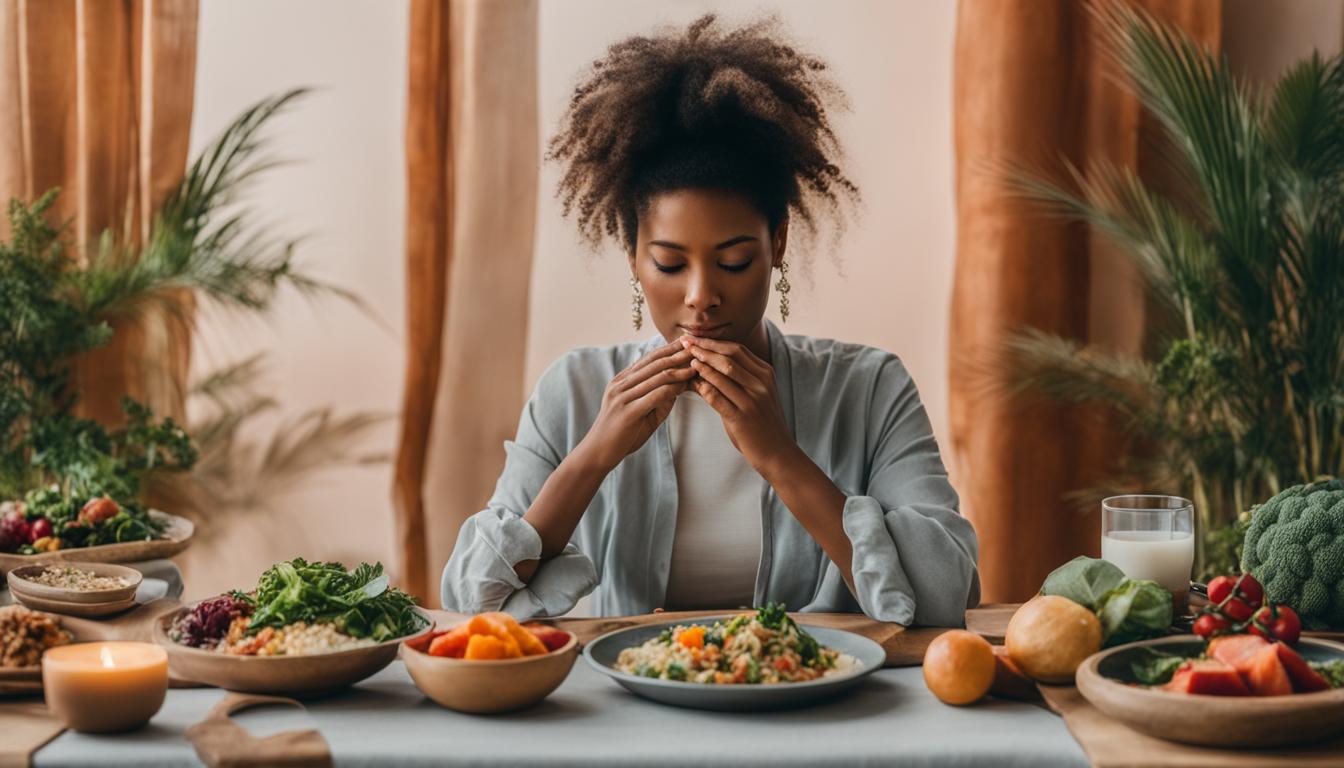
x: 1151, y: 537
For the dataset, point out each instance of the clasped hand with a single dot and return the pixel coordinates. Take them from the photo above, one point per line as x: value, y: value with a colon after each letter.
x: 736, y: 383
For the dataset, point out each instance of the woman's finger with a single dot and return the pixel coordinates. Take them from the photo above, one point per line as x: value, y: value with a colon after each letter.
x: 729, y: 388
x: 660, y: 396
x: 716, y: 399
x: 670, y: 375
x: 654, y: 370
x: 653, y: 355
x: 736, y: 352
x: 731, y: 368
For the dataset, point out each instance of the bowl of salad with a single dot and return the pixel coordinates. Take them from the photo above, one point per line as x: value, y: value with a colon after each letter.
x: 306, y: 628
x: 51, y: 526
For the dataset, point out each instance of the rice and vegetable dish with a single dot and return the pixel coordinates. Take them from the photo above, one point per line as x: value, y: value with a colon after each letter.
x: 764, y: 647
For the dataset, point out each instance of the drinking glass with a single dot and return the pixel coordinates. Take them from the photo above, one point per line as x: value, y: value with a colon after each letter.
x: 1150, y: 536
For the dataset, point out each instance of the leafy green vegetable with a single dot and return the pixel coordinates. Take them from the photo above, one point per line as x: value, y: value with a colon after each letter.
x: 1084, y: 580
x: 360, y: 603
x: 1332, y: 671
x: 675, y: 671
x: 1158, y: 667
x: 1135, y: 610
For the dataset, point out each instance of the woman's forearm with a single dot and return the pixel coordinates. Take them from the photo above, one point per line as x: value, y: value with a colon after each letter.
x: 560, y: 504
x: 817, y: 503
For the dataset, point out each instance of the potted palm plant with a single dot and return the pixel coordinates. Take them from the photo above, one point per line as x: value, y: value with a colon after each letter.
x: 1241, y: 391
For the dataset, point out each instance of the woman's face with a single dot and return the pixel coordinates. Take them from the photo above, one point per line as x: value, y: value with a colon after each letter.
x: 704, y: 259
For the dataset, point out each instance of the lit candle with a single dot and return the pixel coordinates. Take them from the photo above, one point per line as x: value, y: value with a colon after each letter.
x: 105, y: 687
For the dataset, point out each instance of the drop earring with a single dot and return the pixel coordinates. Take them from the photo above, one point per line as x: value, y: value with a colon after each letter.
x: 783, y: 287
x: 636, y: 304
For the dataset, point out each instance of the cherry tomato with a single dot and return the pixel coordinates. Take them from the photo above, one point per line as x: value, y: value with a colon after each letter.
x: 1210, y: 624
x: 1277, y: 622
x: 98, y: 510
x: 1236, y: 610
x: 1221, y: 588
x: 1250, y: 590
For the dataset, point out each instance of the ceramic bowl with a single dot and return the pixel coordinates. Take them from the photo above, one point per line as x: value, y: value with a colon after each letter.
x: 487, y: 687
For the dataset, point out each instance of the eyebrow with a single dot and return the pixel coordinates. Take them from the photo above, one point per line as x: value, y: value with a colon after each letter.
x: 725, y: 244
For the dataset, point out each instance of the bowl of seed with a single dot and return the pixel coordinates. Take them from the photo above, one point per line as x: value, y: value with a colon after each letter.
x: 89, y: 589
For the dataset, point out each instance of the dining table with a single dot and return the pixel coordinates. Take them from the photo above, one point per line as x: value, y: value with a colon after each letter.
x: 889, y: 718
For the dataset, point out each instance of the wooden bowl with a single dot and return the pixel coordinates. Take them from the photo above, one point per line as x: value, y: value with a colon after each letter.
x: 306, y: 675
x: 177, y: 536
x: 82, y: 610
x: 20, y: 586
x: 488, y: 687
x: 1105, y: 679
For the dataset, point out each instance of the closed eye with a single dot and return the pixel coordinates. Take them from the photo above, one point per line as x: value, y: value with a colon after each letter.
x: 669, y: 269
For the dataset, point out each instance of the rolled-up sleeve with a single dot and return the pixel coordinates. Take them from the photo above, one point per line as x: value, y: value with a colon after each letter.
x: 914, y: 555
x: 480, y: 574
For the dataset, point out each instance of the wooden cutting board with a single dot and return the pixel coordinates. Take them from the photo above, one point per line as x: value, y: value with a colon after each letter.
x: 1111, y: 744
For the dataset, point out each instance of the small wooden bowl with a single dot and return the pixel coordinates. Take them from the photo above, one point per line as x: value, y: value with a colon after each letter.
x: 21, y: 586
x: 488, y: 687
x: 1215, y: 721
x: 81, y: 610
x: 307, y: 675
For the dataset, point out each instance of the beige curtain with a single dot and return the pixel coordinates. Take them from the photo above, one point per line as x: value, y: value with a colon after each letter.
x: 96, y: 98
x: 472, y: 152
x: 1033, y: 86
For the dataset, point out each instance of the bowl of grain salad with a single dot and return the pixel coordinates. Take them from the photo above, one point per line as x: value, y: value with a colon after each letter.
x: 71, y: 582
x: 297, y: 659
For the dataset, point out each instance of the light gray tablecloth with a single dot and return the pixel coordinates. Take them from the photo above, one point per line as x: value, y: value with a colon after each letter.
x: 891, y: 719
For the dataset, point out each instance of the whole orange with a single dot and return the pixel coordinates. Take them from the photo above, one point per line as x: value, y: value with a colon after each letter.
x: 959, y: 667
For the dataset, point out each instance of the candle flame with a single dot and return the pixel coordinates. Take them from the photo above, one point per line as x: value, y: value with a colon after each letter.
x: 106, y: 654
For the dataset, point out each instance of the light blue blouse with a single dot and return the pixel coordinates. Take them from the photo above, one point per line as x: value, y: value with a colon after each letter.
x: 853, y: 409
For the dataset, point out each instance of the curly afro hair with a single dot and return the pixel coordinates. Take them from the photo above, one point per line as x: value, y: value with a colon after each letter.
x: 738, y: 111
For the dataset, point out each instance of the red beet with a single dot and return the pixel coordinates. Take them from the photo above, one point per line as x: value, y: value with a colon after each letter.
x: 14, y: 532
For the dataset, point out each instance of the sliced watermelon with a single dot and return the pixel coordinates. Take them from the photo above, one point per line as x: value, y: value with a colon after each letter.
x: 1237, y: 650
x: 1266, y: 676
x: 1208, y: 677
x: 1303, y: 677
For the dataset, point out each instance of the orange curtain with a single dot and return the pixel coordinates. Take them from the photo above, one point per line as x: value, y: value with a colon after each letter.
x: 1033, y: 86
x: 472, y: 151
x: 96, y: 98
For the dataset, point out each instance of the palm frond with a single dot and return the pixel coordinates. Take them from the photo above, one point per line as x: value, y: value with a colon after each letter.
x: 1060, y: 368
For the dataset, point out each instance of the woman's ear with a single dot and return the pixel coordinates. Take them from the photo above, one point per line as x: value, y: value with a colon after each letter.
x: 780, y: 242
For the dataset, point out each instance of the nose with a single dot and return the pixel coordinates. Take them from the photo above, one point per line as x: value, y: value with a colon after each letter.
x: 702, y: 293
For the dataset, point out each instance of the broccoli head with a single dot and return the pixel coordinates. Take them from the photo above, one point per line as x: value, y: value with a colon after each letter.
x: 1295, y: 547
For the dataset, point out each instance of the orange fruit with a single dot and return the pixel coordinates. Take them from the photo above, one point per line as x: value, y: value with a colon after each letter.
x: 959, y: 667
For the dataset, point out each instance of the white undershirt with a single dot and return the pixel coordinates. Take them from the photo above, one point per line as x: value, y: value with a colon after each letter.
x: 717, y: 545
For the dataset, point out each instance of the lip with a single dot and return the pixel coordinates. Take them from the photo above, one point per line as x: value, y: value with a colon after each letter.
x: 705, y: 331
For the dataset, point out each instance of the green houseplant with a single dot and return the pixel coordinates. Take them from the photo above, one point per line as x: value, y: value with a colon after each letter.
x: 54, y: 465
x: 1241, y: 390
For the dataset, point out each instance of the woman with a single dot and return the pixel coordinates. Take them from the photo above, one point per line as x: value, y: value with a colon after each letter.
x: 731, y: 465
